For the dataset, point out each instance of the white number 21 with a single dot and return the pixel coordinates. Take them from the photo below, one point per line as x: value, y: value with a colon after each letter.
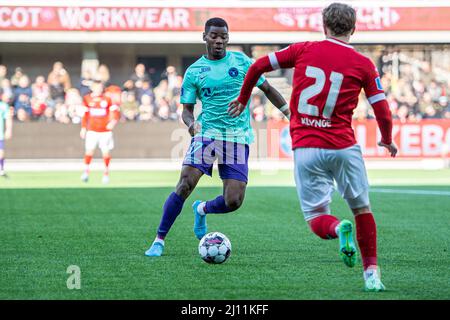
x: 309, y: 92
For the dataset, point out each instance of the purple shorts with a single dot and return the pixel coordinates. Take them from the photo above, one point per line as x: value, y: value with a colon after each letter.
x: 2, y: 144
x: 232, y: 158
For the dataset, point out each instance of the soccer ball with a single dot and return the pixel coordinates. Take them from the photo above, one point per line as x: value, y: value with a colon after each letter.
x: 214, y: 247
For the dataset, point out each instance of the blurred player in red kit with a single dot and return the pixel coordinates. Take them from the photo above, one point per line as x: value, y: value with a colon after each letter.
x: 328, y: 79
x: 100, y: 118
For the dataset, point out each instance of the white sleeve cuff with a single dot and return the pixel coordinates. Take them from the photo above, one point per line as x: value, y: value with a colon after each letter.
x: 274, y: 61
x: 376, y: 98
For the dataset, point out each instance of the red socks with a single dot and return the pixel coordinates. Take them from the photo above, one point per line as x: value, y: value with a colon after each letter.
x: 324, y: 226
x: 87, y: 159
x: 366, y: 235
x: 107, y: 160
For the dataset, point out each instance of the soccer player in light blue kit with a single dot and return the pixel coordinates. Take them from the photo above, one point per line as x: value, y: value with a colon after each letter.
x: 215, y: 79
x: 5, y: 130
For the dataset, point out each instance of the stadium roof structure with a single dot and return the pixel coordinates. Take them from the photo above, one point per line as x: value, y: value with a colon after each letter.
x: 250, y: 21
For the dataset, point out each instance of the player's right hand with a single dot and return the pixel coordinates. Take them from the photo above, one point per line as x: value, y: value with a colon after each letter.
x: 235, y: 108
x: 194, y: 128
x: 392, y: 148
x: 83, y: 133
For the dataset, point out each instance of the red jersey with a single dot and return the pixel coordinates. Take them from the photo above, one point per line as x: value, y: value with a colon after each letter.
x: 328, y: 79
x: 99, y: 111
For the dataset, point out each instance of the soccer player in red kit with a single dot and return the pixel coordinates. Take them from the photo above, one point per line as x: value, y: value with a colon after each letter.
x: 328, y: 79
x: 100, y: 118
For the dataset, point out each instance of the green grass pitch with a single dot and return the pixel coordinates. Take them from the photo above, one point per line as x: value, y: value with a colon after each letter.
x: 50, y: 220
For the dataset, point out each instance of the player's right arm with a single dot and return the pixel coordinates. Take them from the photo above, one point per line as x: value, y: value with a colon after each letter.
x: 188, y: 98
x: 84, y: 119
x: 188, y: 118
x: 281, y: 59
x: 376, y: 97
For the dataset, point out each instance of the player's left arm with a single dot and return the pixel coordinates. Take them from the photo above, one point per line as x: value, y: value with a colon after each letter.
x: 276, y: 98
x: 9, y: 124
x: 377, y: 98
x: 115, y: 115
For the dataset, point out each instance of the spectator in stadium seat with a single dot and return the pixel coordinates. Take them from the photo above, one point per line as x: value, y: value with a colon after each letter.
x: 49, y: 114
x: 257, y: 109
x: 128, y: 86
x: 163, y: 109
x: 22, y: 98
x: 431, y: 113
x: 103, y: 75
x: 59, y: 75
x: 402, y: 113
x: 57, y: 93
x: 3, y: 72
x: 85, y: 82
x: 171, y: 76
x: 62, y: 113
x: 146, y: 89
x: 139, y: 76
x: 446, y: 113
x: 129, y: 106
x: 18, y: 73
x: 146, y: 109
x: 161, y: 91
x: 40, y: 95
x: 442, y: 104
x: 74, y: 103
x: 6, y: 89
x: 435, y: 90
x: 424, y: 102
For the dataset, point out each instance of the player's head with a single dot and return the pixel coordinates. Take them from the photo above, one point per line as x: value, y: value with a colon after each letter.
x: 339, y: 20
x: 97, y: 87
x: 216, y: 37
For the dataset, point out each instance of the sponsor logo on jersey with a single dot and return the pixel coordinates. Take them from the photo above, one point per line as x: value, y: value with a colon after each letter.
x: 206, y: 92
x: 97, y: 112
x: 233, y: 72
x: 378, y: 83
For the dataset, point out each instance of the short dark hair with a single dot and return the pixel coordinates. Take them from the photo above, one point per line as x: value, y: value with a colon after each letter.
x: 215, y: 22
x: 340, y: 18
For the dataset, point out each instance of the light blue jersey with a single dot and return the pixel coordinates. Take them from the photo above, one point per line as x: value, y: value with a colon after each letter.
x: 216, y: 83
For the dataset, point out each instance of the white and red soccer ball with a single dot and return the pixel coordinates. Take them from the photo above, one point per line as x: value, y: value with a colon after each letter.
x: 214, y: 247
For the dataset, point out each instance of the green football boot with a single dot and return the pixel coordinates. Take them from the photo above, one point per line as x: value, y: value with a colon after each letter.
x: 347, y: 248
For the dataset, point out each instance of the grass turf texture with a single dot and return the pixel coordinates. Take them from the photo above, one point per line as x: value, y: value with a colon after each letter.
x: 50, y: 220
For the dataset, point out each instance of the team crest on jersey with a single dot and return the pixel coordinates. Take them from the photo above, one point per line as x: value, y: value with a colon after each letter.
x: 378, y: 83
x: 104, y: 104
x: 233, y: 72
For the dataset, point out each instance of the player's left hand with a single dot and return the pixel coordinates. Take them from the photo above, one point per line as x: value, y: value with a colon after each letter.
x: 110, y: 125
x: 235, y: 108
x: 392, y: 148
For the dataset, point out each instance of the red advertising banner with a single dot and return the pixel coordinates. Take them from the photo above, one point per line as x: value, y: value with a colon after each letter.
x: 425, y: 139
x: 192, y: 19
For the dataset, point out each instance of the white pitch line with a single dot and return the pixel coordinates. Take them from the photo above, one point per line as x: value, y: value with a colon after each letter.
x: 423, y: 192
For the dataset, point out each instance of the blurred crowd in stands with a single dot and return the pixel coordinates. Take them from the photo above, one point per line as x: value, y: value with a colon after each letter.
x: 55, y: 98
x: 413, y: 92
